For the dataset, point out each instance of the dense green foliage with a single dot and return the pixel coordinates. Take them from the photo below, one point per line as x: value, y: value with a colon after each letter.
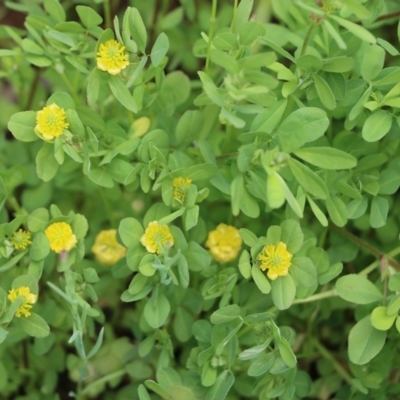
x: 278, y: 120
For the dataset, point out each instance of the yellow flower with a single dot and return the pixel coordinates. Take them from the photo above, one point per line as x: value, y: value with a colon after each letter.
x: 106, y: 248
x: 224, y: 243
x: 112, y: 57
x: 50, y: 122
x: 276, y: 259
x: 181, y: 185
x: 157, y: 237
x: 61, y: 237
x: 20, y: 239
x: 26, y: 305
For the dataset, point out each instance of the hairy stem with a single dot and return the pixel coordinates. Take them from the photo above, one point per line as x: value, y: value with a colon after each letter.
x: 377, y: 263
x: 107, y: 13
x: 33, y: 88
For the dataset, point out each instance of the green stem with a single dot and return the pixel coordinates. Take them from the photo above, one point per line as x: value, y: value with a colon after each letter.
x: 211, y: 31
x: 13, y: 203
x: 307, y: 39
x: 107, y: 13
x: 314, y: 297
x: 329, y: 357
x: 70, y: 87
x: 33, y: 88
x: 366, y: 246
x: 233, y: 26
x: 377, y: 263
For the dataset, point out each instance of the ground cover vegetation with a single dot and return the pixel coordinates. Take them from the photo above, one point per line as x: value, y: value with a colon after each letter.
x: 199, y: 200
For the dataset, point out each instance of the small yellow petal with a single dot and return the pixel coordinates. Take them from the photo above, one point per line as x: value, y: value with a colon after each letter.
x: 224, y: 243
x: 157, y: 237
x: 50, y: 121
x: 61, y: 237
x: 28, y: 299
x: 111, y: 57
x: 107, y: 249
x: 275, y: 259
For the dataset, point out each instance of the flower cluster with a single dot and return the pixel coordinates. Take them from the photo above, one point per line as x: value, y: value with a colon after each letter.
x: 20, y: 239
x: 181, y: 185
x: 28, y: 299
x: 112, y: 57
x: 157, y: 237
x: 61, y: 237
x: 224, y: 243
x: 106, y: 248
x: 50, y: 122
x: 276, y: 259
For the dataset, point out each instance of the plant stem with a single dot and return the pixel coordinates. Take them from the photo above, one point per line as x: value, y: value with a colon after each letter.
x: 376, y: 263
x: 328, y: 356
x: 211, y: 31
x: 107, y: 13
x: 307, y: 39
x: 394, y: 14
x: 233, y: 26
x: 33, y: 88
x: 366, y: 246
x: 316, y: 297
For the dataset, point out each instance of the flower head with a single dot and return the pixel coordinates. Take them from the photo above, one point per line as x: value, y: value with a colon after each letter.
x: 20, y: 239
x: 28, y: 299
x: 61, y: 237
x: 112, y: 57
x: 157, y: 237
x: 50, y: 121
x: 106, y: 248
x: 181, y: 185
x: 276, y: 259
x: 224, y: 243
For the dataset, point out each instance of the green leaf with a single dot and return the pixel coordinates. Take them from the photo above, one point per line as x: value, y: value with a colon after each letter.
x: 292, y: 235
x: 137, y: 29
x: 121, y: 93
x: 22, y: 126
x: 337, y: 210
x: 309, y: 63
x: 357, y: 289
x: 88, y: 16
x: 40, y: 247
x: 249, y: 238
x: 275, y: 191
x: 365, y: 342
x: 3, y: 334
x: 211, y: 89
x: 308, y: 179
x: 156, y: 310
x: 249, y: 32
x: 46, y: 164
x: 130, y: 230
x: 377, y: 125
x: 327, y: 157
x: 260, y: 279
x: 188, y: 127
x: 381, y: 320
x: 34, y: 325
x: 317, y: 212
x: 225, y: 314
x: 244, y: 264
x: 90, y: 275
x: 303, y: 271
x: 373, y: 61
x: 313, y: 120
x: 268, y: 119
x: 287, y: 354
x: 325, y: 93
x: 100, y: 177
x: 294, y: 204
x: 93, y: 87
x: 38, y: 220
x: 222, y: 385
x: 355, y: 29
x: 159, y: 50
x: 283, y: 292
x: 379, y: 212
